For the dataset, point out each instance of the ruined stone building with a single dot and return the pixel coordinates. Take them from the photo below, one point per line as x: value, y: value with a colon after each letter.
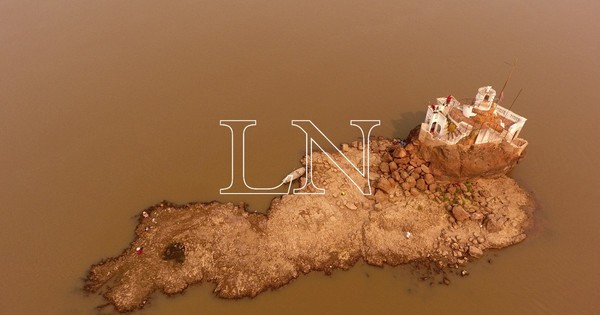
x: 476, y: 121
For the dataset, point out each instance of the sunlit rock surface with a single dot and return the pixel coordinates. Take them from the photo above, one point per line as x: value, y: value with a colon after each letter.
x: 412, y: 216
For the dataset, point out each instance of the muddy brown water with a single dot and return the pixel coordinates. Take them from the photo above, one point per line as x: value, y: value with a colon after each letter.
x: 107, y: 107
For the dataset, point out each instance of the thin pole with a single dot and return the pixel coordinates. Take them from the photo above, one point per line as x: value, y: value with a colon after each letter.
x: 507, y: 79
x: 513, y: 102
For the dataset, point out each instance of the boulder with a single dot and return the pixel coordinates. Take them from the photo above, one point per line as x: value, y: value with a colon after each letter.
x: 475, y: 251
x: 399, y: 153
x: 493, y: 224
x: 380, y: 196
x: 405, y: 186
x: 404, y: 174
x: 421, y: 184
x: 385, y: 185
x: 433, y: 187
x: 403, y: 161
x: 411, y: 181
x: 459, y: 213
x: 429, y: 179
x: 476, y: 216
x: 386, y: 157
x: 384, y: 167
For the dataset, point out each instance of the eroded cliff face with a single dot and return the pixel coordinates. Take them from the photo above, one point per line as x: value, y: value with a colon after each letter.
x: 411, y: 217
x: 457, y: 163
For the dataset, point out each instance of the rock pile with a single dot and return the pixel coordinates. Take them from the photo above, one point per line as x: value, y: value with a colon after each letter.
x: 472, y: 210
x: 401, y: 170
x: 400, y: 167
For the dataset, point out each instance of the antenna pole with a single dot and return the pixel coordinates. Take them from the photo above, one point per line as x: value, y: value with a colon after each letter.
x: 508, y: 79
x: 513, y: 102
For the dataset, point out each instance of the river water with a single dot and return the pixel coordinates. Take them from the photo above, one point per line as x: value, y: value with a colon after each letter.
x: 108, y: 107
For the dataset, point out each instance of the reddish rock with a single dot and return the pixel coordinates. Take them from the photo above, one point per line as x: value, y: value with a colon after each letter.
x: 399, y: 153
x: 380, y: 196
x: 493, y: 224
x: 402, y: 161
x: 386, y: 157
x: 385, y: 185
x: 411, y: 181
x: 404, y: 174
x: 396, y: 176
x: 475, y: 251
x: 458, y: 163
x: 421, y: 184
x: 459, y: 213
x: 476, y: 216
x: 405, y: 186
x: 429, y: 179
x: 384, y: 167
x: 392, y: 182
x: 433, y: 187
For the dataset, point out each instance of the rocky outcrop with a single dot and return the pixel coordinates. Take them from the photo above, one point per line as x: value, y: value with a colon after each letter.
x: 459, y: 162
x: 412, y: 217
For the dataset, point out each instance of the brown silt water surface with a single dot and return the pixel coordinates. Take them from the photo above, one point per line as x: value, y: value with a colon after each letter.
x: 108, y: 107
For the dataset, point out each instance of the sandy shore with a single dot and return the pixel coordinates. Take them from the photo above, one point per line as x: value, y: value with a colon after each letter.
x: 411, y: 217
